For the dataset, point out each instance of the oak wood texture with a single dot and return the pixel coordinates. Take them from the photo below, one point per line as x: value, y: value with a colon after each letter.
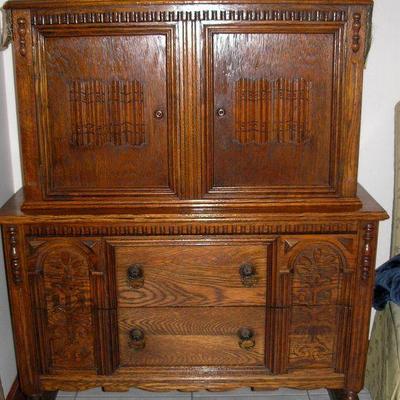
x: 169, y: 268
x: 190, y: 217
x: 281, y: 128
x: 192, y: 336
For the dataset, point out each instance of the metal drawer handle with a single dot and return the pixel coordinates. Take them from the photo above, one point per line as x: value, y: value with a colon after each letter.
x: 135, y: 276
x: 248, y: 275
x: 137, y: 339
x: 246, y: 338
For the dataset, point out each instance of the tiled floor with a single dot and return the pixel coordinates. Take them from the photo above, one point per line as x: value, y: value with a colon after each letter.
x: 242, y: 394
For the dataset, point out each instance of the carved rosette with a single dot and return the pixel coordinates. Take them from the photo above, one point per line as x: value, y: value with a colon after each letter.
x: 366, y: 258
x: 14, y: 255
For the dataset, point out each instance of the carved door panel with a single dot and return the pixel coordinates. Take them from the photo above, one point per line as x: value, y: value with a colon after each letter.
x: 70, y: 305
x: 312, y: 295
x: 273, y: 100
x: 107, y: 126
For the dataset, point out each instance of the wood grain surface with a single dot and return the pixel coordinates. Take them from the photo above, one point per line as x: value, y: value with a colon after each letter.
x: 192, y: 336
x: 191, y: 275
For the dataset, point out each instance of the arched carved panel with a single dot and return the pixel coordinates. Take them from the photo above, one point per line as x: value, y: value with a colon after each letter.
x: 316, y: 274
x: 65, y: 292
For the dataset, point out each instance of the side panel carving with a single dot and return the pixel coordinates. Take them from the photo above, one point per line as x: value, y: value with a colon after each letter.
x: 312, y: 336
x: 316, y: 275
x: 313, y: 287
x: 272, y: 111
x: 64, y: 300
x: 107, y: 113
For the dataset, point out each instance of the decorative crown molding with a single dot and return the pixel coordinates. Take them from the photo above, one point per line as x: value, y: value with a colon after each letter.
x: 122, y: 17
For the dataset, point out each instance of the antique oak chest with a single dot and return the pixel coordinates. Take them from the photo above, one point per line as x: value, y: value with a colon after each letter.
x: 190, y: 217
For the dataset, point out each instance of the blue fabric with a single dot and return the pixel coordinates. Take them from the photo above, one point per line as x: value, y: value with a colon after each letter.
x: 387, y: 283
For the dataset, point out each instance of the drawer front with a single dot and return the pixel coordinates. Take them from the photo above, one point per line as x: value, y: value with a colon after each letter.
x: 196, y: 274
x: 191, y: 336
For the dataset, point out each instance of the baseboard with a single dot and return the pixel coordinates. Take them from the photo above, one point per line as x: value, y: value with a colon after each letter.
x: 15, y: 391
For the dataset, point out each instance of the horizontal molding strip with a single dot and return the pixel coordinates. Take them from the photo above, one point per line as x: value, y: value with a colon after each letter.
x: 174, y: 16
x: 188, y: 229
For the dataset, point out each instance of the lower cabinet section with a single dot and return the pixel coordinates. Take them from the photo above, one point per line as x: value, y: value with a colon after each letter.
x: 279, y: 303
x: 191, y: 312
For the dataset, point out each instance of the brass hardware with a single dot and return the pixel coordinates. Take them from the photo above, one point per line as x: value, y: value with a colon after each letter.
x: 246, y: 338
x: 248, y: 275
x: 137, y: 340
x: 135, y: 276
x: 159, y: 114
x: 221, y: 112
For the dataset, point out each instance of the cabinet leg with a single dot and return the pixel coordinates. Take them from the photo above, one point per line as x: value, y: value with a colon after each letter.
x: 339, y: 394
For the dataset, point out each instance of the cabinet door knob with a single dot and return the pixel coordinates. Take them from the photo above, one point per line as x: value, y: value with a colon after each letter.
x: 246, y: 338
x: 159, y: 114
x: 135, y: 276
x: 248, y: 275
x: 137, y: 339
x: 221, y: 112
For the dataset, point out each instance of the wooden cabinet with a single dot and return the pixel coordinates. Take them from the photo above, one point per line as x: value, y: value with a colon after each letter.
x: 190, y: 217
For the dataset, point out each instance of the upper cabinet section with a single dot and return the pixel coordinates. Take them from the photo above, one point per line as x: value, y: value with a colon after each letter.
x: 180, y: 104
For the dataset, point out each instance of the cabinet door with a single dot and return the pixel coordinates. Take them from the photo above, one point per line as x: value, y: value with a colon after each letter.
x: 105, y: 96
x: 273, y: 100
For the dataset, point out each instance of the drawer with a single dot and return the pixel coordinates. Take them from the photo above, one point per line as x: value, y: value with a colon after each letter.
x: 192, y: 336
x: 191, y: 275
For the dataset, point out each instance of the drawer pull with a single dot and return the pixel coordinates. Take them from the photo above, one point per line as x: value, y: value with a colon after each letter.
x: 137, y: 341
x: 135, y: 276
x: 248, y: 275
x: 246, y: 338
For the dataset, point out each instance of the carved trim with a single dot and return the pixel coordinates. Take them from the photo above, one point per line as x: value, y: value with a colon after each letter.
x: 14, y: 255
x: 106, y: 113
x: 187, y: 229
x: 355, y: 46
x: 275, y: 111
x: 22, y: 36
x: 366, y: 259
x: 121, y: 17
